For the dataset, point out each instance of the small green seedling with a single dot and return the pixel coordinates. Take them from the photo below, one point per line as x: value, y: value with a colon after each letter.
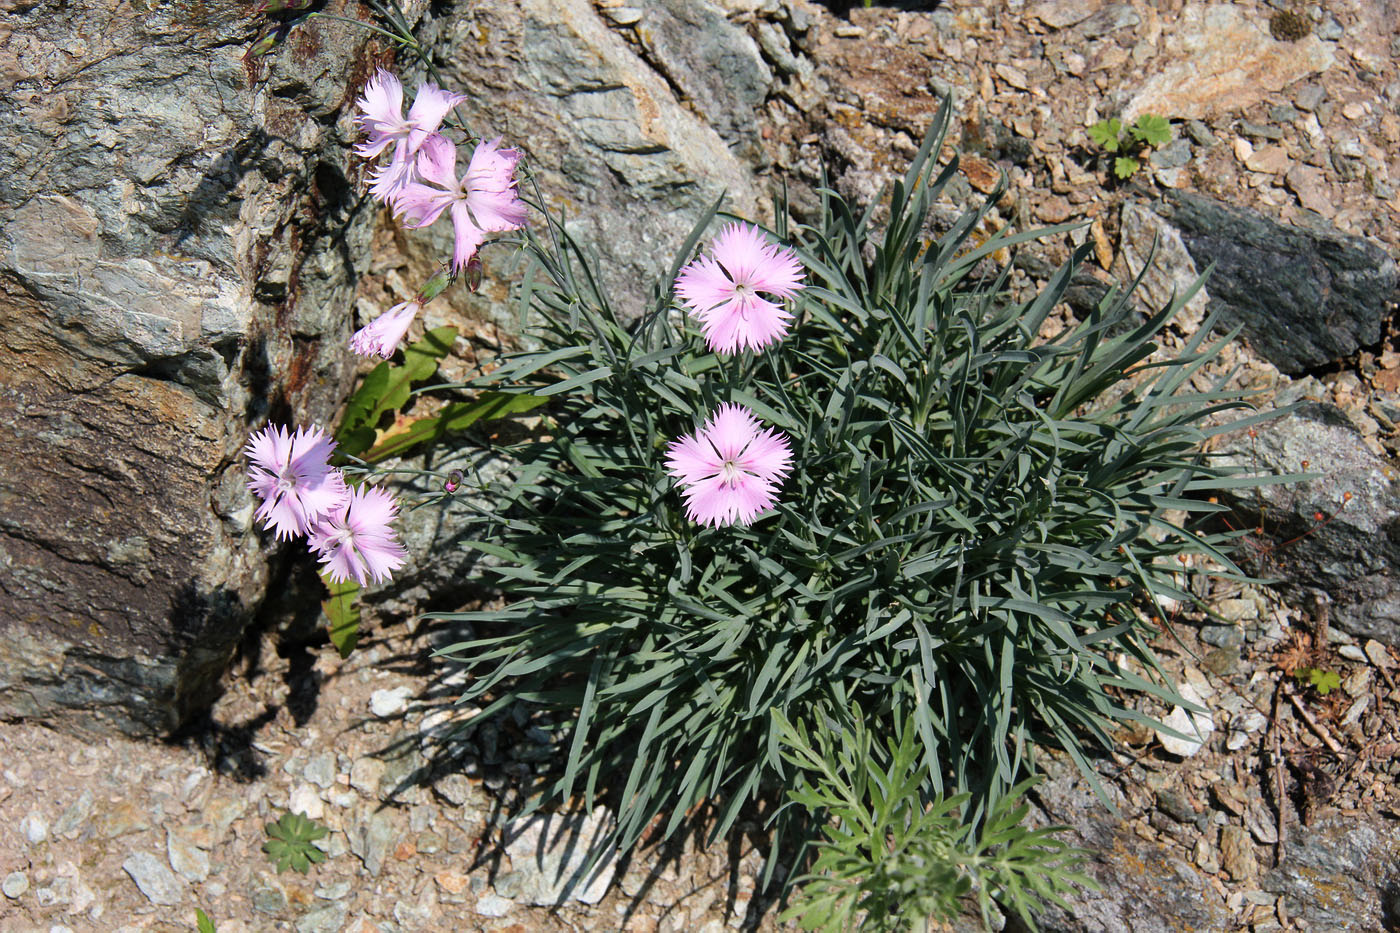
x: 202, y: 922
x: 1146, y: 132
x: 1324, y: 682
x: 290, y: 842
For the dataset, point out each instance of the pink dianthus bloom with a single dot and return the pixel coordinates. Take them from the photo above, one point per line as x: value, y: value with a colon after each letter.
x: 354, y: 541
x: 730, y: 469
x: 382, y: 118
x: 382, y: 335
x: 291, y: 474
x: 722, y: 289
x: 484, y: 200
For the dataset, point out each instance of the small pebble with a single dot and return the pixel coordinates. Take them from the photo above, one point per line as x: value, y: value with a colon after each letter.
x: 320, y: 770
x: 1200, y: 133
x: 14, y: 885
x: 160, y: 885
x: 1223, y: 636
x: 34, y: 827
x: 390, y: 702
x: 1309, y: 96
x: 1377, y: 654
x: 1352, y: 653
x: 1196, y: 727
x: 1329, y: 30
x: 305, y: 800
x: 333, y: 892
x: 1259, y: 131
x: 493, y: 905
x: 624, y: 16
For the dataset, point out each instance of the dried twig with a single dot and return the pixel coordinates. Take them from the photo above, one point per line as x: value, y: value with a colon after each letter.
x: 1280, y: 802
x: 1317, y: 728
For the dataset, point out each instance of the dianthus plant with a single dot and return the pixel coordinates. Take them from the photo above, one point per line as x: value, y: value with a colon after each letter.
x: 949, y: 520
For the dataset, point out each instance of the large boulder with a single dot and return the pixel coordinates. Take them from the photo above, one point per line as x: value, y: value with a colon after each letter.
x: 179, y: 245
x: 1304, y: 297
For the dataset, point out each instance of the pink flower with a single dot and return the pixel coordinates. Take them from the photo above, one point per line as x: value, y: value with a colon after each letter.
x: 291, y: 474
x: 722, y: 289
x: 731, y: 470
x: 382, y: 335
x: 382, y: 118
x: 355, y: 541
x: 482, y: 201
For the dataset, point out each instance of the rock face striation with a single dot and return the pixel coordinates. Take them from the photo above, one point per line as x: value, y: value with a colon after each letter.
x: 179, y: 244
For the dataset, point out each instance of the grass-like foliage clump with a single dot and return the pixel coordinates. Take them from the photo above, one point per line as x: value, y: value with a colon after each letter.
x: 973, y: 521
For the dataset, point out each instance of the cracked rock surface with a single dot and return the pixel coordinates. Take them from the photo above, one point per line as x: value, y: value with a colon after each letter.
x: 178, y: 245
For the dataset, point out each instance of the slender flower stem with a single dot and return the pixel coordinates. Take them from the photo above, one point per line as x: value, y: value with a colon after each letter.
x: 402, y: 40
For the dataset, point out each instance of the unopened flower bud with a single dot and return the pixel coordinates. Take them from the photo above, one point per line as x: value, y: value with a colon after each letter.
x: 434, y: 286
x: 453, y: 481
x: 279, y: 6
x: 473, y: 274
x: 269, y: 40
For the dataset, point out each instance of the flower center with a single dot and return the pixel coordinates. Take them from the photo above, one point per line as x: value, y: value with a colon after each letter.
x: 286, y: 481
x: 731, y: 473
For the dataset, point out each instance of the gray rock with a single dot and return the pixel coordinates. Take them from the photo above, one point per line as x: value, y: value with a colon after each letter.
x: 774, y: 42
x: 188, y: 859
x: 1309, y: 96
x: 1146, y: 886
x: 14, y: 885
x: 1059, y: 14
x: 456, y: 789
x: 34, y: 828
x: 333, y: 892
x: 1340, y: 874
x: 1223, y: 636
x: 75, y: 816
x: 269, y: 897
x: 1329, y: 30
x: 492, y: 905
x: 320, y: 770
x: 393, y: 702
x: 1355, y: 557
x: 552, y: 854
x: 714, y: 65
x: 158, y: 883
x: 325, y: 920
x: 1260, y: 131
x: 1155, y: 249
x: 1200, y: 133
x: 1174, y: 804
x: 178, y: 250
x: 365, y: 775
x: 1111, y: 18
x: 1282, y: 113
x: 1173, y: 155
x: 1303, y: 296
x: 371, y: 839
x: 1192, y: 729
